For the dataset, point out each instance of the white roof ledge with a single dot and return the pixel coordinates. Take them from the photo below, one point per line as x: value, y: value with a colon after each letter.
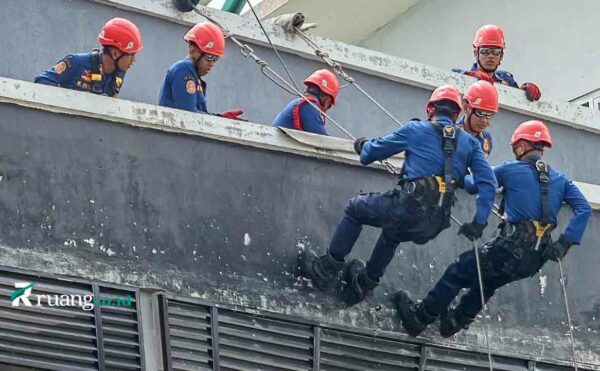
x: 370, y: 62
x: 124, y: 112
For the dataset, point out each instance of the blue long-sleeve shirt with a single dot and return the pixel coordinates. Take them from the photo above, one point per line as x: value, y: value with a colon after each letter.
x: 424, y: 157
x: 523, y: 199
x: 75, y: 72
x: 310, y: 119
x: 500, y: 77
x: 183, y: 88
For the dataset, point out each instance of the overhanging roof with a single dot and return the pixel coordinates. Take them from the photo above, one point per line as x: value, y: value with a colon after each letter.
x: 350, y: 21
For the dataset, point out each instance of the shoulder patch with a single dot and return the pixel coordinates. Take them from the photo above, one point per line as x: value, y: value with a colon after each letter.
x: 190, y: 87
x: 60, y: 67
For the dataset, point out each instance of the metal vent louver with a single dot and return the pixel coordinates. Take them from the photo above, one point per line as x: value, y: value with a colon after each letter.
x: 248, y: 342
x: 190, y: 338
x: 67, y: 338
x: 120, y: 331
x: 344, y: 351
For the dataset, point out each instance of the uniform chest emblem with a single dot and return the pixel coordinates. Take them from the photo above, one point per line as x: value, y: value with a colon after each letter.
x: 190, y: 87
x: 486, y: 146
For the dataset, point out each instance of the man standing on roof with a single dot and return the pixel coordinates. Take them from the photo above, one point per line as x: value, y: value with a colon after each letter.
x: 534, y: 193
x: 184, y: 87
x: 437, y: 154
x: 322, y: 88
x: 480, y: 105
x: 488, y: 48
x: 101, y: 71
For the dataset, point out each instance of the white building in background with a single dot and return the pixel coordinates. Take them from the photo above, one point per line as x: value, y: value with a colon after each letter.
x: 550, y: 42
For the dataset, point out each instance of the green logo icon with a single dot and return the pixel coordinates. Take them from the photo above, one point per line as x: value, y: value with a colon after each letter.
x: 21, y: 294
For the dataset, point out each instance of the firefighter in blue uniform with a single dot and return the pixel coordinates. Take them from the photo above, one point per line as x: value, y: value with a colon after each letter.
x: 322, y: 88
x: 534, y: 193
x: 101, y: 71
x: 488, y: 48
x: 480, y: 103
x: 184, y: 87
x: 437, y: 153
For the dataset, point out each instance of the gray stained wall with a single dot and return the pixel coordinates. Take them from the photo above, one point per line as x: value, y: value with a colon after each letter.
x: 224, y: 222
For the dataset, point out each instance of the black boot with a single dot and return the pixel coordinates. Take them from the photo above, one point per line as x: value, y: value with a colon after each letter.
x: 453, y: 321
x: 322, y: 270
x: 415, y: 317
x: 357, y: 283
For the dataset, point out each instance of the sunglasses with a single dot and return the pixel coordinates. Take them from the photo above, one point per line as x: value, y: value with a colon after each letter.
x: 210, y: 57
x: 482, y: 114
x: 493, y: 51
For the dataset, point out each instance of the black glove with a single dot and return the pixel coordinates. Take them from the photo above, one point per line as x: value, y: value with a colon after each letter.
x: 557, y: 249
x: 358, y: 144
x: 471, y: 230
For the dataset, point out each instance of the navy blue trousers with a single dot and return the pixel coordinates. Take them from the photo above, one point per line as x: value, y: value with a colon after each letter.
x: 395, y: 212
x: 499, y: 267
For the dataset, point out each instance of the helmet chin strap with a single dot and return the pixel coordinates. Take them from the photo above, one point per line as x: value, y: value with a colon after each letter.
x: 318, y: 93
x: 116, y: 61
x: 468, y: 123
x: 197, y: 60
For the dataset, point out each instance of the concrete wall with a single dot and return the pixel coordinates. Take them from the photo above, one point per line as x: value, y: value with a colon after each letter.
x: 224, y: 222
x: 549, y: 42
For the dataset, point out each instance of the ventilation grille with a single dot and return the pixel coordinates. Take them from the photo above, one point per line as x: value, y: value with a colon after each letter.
x: 190, y: 337
x: 343, y: 351
x: 53, y: 338
x: 445, y: 359
x: 252, y: 342
x: 65, y: 338
x: 120, y: 331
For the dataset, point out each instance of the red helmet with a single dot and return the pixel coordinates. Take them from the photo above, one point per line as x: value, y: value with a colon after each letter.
x: 326, y: 81
x: 208, y: 37
x: 533, y: 131
x: 122, y: 34
x: 482, y: 95
x: 489, y: 35
x: 444, y: 92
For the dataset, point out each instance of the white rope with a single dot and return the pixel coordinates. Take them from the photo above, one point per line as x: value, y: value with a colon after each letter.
x: 482, y: 296
x: 564, y: 289
x: 247, y: 52
x: 340, y: 71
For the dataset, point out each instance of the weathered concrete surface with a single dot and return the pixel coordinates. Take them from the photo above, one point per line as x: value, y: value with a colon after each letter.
x: 224, y: 222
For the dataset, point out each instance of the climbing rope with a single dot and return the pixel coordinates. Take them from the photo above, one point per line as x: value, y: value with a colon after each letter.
x: 272, y: 46
x: 564, y: 289
x: 482, y: 296
x: 340, y: 71
x: 248, y: 52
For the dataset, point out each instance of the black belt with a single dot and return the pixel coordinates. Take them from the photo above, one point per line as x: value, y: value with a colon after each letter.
x: 526, y: 233
x: 427, y: 190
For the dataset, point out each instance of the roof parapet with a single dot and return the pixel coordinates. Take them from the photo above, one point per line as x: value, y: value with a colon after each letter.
x: 144, y: 115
